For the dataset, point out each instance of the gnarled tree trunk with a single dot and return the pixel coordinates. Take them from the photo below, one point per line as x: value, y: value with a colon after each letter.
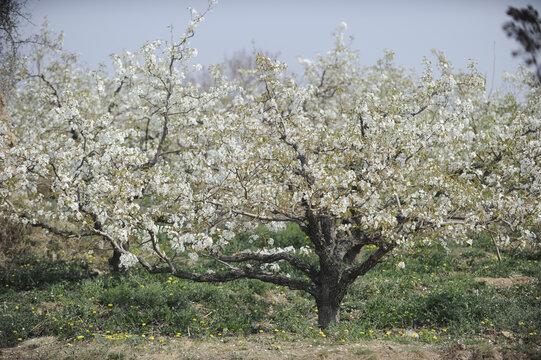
x: 334, y: 251
x: 114, y: 261
x: 328, y: 310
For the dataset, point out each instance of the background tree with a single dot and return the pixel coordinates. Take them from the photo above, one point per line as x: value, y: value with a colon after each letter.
x: 11, y: 14
x: 241, y: 66
x: 526, y: 29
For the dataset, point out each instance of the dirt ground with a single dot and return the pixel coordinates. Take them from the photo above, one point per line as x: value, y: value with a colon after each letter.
x: 256, y: 347
x: 508, y: 281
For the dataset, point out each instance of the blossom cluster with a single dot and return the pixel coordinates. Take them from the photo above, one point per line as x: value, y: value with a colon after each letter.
x: 148, y: 157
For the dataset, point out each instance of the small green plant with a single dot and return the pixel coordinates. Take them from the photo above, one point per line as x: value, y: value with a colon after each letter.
x: 421, y: 302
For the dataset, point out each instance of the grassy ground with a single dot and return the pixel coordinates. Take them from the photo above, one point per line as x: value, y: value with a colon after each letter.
x: 441, y: 304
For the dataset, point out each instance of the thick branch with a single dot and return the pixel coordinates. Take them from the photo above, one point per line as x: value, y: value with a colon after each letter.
x: 50, y: 86
x: 245, y: 272
x: 113, y: 104
x: 54, y: 230
x: 353, y: 272
x: 159, y: 150
x: 108, y: 237
x: 160, y: 253
x: 299, y: 264
x: 60, y: 232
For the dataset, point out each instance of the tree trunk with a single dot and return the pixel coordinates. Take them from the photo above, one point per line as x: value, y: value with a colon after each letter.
x: 328, y: 299
x: 114, y: 261
x: 322, y: 232
x: 328, y: 312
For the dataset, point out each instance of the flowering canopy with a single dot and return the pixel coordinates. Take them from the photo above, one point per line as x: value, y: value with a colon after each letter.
x: 377, y: 158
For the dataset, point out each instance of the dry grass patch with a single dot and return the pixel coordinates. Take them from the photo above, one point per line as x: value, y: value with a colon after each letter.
x: 508, y: 281
x: 264, y: 347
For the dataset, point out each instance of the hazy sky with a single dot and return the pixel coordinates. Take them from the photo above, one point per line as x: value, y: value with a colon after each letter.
x: 463, y: 29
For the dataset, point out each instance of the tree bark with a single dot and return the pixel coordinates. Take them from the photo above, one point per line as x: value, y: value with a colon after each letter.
x: 328, y: 312
x: 328, y: 297
x: 114, y: 261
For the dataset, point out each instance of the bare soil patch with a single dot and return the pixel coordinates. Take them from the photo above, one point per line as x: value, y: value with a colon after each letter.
x: 253, y: 347
x: 508, y: 281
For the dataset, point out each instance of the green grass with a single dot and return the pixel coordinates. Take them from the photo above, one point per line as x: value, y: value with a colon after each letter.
x: 434, y: 299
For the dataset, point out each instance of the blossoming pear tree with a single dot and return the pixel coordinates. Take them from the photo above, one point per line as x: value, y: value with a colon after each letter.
x: 363, y: 160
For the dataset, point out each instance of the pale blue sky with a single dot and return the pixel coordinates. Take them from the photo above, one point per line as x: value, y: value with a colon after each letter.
x: 463, y: 29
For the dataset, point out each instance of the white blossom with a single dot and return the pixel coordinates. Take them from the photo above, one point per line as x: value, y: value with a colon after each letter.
x: 128, y: 260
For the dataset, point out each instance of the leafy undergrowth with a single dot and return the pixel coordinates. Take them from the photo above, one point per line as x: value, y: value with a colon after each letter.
x: 440, y: 298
